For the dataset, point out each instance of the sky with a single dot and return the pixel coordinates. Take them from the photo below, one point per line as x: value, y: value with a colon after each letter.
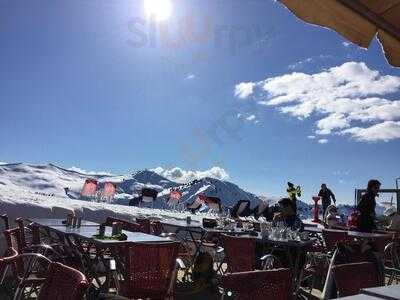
x: 240, y: 90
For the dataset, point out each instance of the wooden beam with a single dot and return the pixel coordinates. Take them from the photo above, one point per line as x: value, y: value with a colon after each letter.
x: 377, y: 20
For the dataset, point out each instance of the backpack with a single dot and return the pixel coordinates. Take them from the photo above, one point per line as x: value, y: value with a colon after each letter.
x: 353, y: 219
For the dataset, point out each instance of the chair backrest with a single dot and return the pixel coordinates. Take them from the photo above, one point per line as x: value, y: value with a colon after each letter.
x: 391, y: 256
x: 213, y: 203
x: 270, y: 284
x: 148, y: 195
x: 350, y: 278
x: 13, y: 239
x: 241, y: 209
x: 196, y: 204
x: 149, y: 269
x: 63, y: 283
x: 4, y: 217
x: 240, y: 253
x: 333, y: 237
x: 157, y: 227
x: 380, y: 243
x: 145, y: 225
x: 21, y: 226
x: 10, y: 253
x: 35, y: 228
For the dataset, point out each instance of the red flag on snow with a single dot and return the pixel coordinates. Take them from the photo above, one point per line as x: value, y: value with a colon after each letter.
x: 174, y: 195
x: 109, y: 190
x: 89, y: 188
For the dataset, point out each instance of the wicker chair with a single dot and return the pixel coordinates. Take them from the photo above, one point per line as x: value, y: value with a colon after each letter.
x: 70, y: 282
x: 350, y: 278
x: 27, y: 269
x: 157, y: 228
x: 240, y: 253
x: 13, y: 239
x: 392, y: 263
x: 332, y: 238
x: 17, y: 239
x: 150, y: 270
x: 254, y: 285
x: 145, y: 225
x: 10, y: 254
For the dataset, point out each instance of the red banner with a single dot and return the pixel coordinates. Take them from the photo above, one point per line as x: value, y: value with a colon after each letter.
x: 174, y: 196
x: 89, y: 188
x: 109, y: 190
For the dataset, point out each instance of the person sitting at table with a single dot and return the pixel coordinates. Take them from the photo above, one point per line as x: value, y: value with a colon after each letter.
x: 394, y: 219
x: 263, y: 210
x: 331, y: 218
x: 241, y: 209
x: 366, y: 207
x: 287, y: 215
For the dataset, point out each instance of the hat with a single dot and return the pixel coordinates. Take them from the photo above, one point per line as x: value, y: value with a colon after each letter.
x: 390, y: 211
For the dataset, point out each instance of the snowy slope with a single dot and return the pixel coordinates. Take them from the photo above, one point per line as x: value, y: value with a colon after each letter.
x: 134, y: 183
x: 51, y: 180
x: 48, y: 179
x: 228, y: 192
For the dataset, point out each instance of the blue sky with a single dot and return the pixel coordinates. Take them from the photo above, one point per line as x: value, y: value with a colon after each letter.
x: 93, y: 84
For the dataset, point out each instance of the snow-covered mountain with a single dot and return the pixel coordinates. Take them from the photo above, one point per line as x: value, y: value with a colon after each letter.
x: 139, y: 179
x: 228, y: 192
x: 52, y: 180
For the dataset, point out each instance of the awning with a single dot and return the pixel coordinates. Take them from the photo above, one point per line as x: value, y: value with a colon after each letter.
x: 357, y: 20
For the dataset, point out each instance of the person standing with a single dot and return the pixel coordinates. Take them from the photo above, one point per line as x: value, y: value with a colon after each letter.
x: 366, y: 207
x: 293, y: 193
x: 326, y: 196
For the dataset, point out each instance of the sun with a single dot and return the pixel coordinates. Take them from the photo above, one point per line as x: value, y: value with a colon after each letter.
x: 160, y: 10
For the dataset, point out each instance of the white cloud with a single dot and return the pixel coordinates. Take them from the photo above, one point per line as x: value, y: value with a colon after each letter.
x: 309, y: 60
x: 183, y: 176
x: 347, y: 100
x: 2, y: 163
x: 244, y: 89
x: 248, y: 117
x: 346, y: 44
x: 323, y: 141
x: 82, y: 171
x: 251, y: 118
x: 385, y: 131
x: 311, y: 137
x: 190, y: 76
x: 332, y: 122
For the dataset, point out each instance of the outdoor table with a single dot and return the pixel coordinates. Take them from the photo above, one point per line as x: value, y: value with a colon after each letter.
x: 360, y: 297
x: 192, y: 231
x: 385, y: 292
x: 313, y: 229
x: 354, y: 234
x: 299, y: 247
x: 91, y: 250
x: 367, y: 235
x: 309, y: 223
x: 196, y: 233
x: 58, y: 222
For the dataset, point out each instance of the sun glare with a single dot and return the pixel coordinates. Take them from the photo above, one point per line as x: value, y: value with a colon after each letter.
x: 160, y: 10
